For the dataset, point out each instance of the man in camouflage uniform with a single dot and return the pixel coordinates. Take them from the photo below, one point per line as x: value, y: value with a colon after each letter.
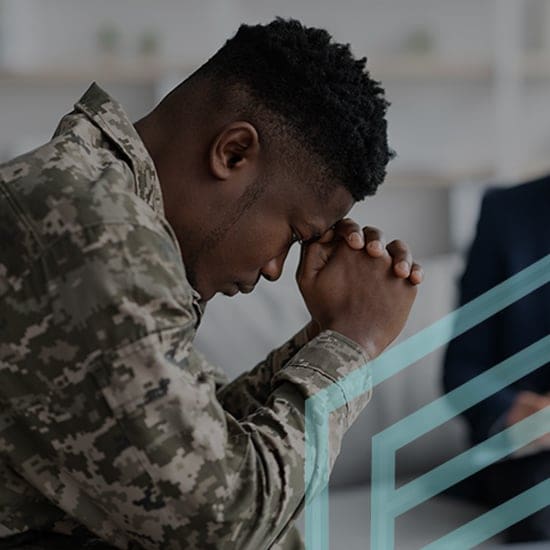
x: 114, y: 431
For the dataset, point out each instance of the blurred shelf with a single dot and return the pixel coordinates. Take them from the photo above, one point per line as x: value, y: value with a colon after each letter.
x: 481, y: 174
x: 393, y: 67
x: 399, y: 67
x: 414, y: 67
x: 433, y: 67
x: 146, y: 73
x: 433, y: 178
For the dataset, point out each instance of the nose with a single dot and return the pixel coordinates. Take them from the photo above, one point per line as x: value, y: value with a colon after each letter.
x: 273, y: 269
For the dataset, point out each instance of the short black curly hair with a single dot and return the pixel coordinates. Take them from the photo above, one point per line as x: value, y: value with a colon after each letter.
x: 320, y: 90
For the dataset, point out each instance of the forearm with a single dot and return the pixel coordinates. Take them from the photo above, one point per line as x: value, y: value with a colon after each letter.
x: 227, y: 482
x: 252, y: 388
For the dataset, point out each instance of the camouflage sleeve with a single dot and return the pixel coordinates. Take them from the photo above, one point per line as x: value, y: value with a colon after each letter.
x: 251, y: 389
x: 127, y: 434
x: 190, y: 470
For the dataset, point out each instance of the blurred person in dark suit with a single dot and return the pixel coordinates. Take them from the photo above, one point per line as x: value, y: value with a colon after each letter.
x: 513, y: 232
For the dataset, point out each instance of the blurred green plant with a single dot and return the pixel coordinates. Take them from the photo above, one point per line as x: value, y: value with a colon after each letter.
x: 148, y: 43
x: 108, y: 38
x: 418, y: 41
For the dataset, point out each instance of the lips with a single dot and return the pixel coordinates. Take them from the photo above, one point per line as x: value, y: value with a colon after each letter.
x: 235, y: 287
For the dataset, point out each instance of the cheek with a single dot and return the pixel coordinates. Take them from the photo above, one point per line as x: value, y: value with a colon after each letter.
x: 235, y: 255
x: 254, y: 249
x: 256, y: 238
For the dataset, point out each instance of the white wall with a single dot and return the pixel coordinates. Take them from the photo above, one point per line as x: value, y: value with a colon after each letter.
x: 30, y: 113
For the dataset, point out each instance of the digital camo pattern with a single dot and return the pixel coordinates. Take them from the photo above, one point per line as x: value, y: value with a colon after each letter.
x: 112, y: 426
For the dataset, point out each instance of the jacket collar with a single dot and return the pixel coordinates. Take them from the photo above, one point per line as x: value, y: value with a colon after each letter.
x: 111, y: 118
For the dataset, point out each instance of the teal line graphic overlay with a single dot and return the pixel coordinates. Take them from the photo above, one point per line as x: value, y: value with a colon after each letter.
x: 497, y: 519
x: 388, y: 503
x: 385, y: 444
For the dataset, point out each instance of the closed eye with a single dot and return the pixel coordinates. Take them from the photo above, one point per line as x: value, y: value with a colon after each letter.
x: 295, y: 238
x: 315, y: 237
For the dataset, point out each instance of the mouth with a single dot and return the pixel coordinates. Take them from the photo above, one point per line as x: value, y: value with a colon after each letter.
x: 235, y: 287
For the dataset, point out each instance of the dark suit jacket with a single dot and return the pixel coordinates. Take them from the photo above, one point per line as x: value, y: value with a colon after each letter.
x: 513, y: 232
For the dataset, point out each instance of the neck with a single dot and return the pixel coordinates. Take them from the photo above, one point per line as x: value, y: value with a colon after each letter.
x: 150, y: 133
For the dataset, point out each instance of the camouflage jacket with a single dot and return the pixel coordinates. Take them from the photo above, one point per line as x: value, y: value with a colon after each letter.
x: 111, y: 423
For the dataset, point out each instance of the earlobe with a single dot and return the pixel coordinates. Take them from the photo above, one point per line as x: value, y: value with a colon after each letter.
x: 236, y: 148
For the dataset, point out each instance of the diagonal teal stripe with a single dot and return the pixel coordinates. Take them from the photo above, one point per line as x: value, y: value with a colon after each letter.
x: 496, y: 520
x: 469, y: 462
x: 461, y: 320
x: 472, y: 392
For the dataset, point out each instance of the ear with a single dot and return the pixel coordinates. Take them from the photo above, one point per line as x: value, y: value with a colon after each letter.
x: 235, y: 151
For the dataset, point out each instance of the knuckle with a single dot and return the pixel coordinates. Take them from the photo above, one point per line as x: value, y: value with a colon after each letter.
x: 346, y: 222
x: 373, y: 233
x: 346, y: 226
x: 400, y: 245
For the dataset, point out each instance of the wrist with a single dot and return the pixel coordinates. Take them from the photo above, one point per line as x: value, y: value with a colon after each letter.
x: 312, y: 329
x: 369, y: 346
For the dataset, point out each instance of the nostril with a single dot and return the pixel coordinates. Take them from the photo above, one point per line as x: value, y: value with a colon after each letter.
x: 268, y: 276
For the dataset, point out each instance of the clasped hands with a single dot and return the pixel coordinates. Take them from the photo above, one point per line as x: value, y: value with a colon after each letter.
x: 355, y: 284
x: 372, y: 240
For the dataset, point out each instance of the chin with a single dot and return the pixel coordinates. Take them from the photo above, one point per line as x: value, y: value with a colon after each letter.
x: 205, y: 293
